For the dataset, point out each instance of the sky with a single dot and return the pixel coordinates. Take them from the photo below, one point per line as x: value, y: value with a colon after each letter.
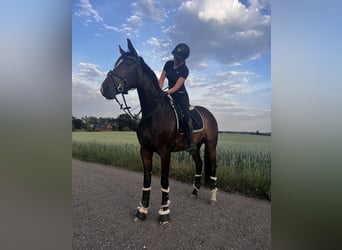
x: 229, y: 63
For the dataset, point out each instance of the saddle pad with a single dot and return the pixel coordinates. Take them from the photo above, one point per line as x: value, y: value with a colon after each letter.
x: 196, y: 117
x: 197, y: 120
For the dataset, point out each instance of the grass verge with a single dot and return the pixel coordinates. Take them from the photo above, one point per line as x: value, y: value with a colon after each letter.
x: 246, y: 171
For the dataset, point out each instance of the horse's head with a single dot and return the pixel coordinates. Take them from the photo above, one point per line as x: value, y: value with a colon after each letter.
x: 124, y: 75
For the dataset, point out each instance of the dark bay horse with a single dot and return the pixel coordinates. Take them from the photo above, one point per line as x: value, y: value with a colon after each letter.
x: 157, y: 130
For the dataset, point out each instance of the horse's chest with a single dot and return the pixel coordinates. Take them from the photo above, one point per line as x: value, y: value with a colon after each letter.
x: 145, y: 137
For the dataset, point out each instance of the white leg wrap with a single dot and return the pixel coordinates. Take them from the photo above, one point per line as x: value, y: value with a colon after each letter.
x: 213, y: 178
x: 213, y: 194
x: 166, y: 205
x: 165, y: 190
x: 142, y: 209
x: 146, y: 189
x: 198, y: 175
x: 162, y: 212
x: 195, y: 187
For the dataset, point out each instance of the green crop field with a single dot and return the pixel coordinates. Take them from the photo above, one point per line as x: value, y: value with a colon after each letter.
x: 243, y: 160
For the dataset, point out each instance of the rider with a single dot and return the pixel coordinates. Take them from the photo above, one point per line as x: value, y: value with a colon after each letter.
x: 176, y: 72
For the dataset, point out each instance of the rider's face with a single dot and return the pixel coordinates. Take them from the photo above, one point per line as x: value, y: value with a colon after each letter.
x: 177, y: 60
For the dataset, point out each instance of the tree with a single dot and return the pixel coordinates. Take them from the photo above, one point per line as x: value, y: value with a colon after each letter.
x: 89, y: 122
x: 124, y: 123
x: 77, y: 123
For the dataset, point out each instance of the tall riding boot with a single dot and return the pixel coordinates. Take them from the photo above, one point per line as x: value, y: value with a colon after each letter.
x: 189, y: 134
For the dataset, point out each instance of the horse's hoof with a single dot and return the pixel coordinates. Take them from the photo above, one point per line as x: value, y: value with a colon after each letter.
x: 163, y: 222
x: 213, y: 199
x: 213, y: 203
x: 164, y: 219
x: 193, y: 196
x: 140, y: 216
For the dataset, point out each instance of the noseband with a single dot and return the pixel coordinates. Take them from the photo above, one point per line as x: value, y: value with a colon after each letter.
x: 122, y: 86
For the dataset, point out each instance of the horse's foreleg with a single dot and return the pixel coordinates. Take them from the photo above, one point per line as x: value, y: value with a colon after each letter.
x: 197, y: 182
x: 164, y: 211
x: 146, y: 157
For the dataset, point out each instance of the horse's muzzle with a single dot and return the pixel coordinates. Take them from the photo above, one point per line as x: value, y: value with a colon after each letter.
x: 108, y: 92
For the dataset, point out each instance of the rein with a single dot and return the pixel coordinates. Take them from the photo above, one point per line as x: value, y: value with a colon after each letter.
x: 126, y: 109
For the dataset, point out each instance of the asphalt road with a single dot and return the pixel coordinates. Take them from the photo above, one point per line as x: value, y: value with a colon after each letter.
x: 104, y: 200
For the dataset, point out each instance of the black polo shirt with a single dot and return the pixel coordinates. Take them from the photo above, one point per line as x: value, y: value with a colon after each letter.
x: 172, y: 74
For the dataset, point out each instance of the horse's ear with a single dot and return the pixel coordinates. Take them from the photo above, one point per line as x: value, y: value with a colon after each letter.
x: 122, y: 52
x: 131, y: 48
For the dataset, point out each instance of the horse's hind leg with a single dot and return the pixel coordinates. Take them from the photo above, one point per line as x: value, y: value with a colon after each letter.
x: 145, y: 201
x: 197, y: 182
x: 210, y: 166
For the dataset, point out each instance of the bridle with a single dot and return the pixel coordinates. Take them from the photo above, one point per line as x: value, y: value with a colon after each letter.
x: 122, y: 85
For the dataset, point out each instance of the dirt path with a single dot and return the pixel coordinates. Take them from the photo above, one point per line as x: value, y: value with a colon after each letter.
x: 105, y: 199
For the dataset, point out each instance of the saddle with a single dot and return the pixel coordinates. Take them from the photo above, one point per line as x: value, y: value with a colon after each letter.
x: 195, y: 115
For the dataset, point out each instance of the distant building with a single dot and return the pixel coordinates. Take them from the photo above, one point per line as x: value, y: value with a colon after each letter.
x: 102, y: 127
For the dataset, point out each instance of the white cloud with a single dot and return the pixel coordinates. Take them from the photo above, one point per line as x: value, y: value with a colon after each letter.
x: 89, y: 70
x: 244, y: 119
x: 143, y: 11
x: 154, y: 41
x: 161, y: 49
x: 86, y: 81
x: 233, y: 114
x: 222, y: 30
x: 86, y: 9
x: 148, y: 10
x: 126, y: 29
x: 110, y: 27
x: 134, y: 19
x: 220, y: 11
x: 225, y: 82
x: 235, y: 76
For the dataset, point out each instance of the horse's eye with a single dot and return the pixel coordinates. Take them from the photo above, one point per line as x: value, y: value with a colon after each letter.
x: 129, y: 63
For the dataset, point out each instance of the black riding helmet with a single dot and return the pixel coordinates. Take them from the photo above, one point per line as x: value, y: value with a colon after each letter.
x: 181, y: 51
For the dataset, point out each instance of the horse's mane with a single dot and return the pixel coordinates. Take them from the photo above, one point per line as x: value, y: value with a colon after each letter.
x: 150, y: 73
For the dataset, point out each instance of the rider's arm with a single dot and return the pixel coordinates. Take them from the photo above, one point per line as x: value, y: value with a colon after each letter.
x: 178, y: 84
x: 162, y: 79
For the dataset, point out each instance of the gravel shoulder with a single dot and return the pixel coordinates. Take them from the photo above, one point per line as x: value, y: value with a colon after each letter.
x: 104, y: 200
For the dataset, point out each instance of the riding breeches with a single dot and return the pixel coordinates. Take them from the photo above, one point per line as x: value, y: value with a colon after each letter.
x: 182, y: 99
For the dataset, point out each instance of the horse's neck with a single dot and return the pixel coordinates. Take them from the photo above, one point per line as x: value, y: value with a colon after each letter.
x: 149, y: 96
